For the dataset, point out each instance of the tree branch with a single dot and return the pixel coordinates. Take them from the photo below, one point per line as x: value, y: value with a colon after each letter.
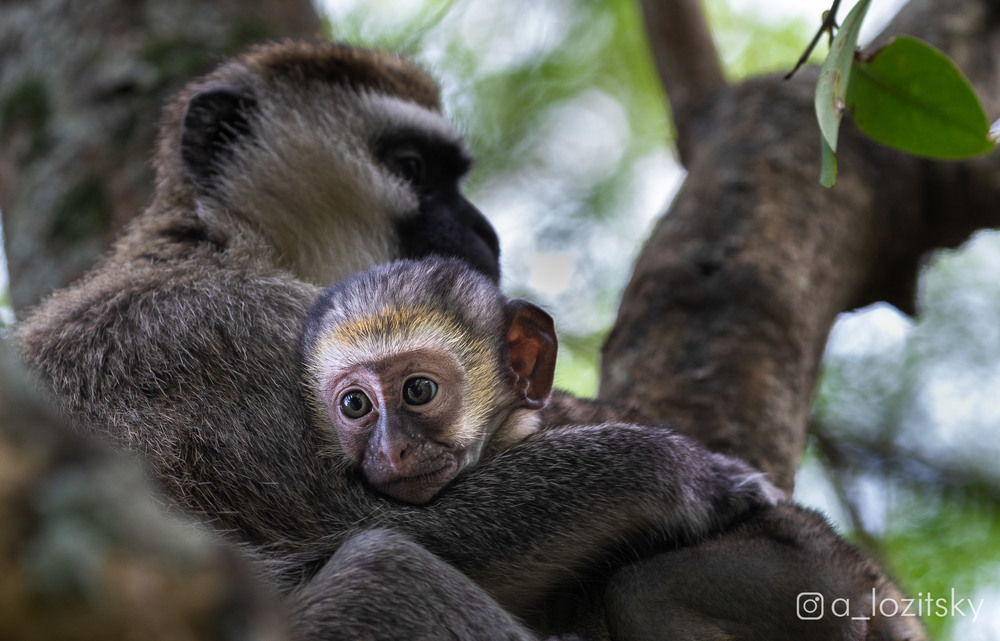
x: 687, y: 61
x: 872, y: 453
x: 739, y: 284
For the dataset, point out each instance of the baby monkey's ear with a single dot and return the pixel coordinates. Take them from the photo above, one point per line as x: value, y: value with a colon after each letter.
x: 531, y: 351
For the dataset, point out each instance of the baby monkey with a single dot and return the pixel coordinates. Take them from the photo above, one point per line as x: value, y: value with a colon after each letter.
x: 422, y: 367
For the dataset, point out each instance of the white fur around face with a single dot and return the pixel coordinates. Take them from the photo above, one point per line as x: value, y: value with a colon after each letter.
x: 387, y: 114
x: 308, y: 184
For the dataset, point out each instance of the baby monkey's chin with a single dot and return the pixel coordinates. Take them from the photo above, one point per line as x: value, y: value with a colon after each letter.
x: 420, y: 488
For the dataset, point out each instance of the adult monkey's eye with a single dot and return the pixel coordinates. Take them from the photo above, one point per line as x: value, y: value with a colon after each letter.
x: 408, y: 163
x: 419, y: 390
x: 355, y: 404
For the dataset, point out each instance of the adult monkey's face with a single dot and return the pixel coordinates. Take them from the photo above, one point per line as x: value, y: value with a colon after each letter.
x: 321, y: 134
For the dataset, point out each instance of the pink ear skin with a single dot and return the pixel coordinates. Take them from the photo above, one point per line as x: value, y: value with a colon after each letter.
x: 531, y: 349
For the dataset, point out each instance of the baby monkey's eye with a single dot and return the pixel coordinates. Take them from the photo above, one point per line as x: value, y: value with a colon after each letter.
x: 355, y: 404
x: 419, y: 390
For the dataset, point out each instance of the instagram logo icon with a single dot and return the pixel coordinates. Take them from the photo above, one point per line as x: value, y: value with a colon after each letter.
x: 809, y: 606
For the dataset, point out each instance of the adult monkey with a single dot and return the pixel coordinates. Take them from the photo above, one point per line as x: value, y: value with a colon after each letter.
x: 287, y: 169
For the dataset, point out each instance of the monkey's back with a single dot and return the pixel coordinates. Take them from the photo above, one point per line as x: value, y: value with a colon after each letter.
x: 162, y: 351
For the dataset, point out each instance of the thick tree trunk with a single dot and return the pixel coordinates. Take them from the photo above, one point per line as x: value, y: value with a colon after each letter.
x: 81, y: 86
x: 723, y: 325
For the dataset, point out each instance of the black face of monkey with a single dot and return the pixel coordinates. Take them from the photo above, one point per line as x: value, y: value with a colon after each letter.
x: 447, y: 224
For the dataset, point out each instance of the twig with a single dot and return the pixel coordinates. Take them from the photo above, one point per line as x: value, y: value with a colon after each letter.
x: 827, y: 26
x: 842, y: 477
x: 687, y: 61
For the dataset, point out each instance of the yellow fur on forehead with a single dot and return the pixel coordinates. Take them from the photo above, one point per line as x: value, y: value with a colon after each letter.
x: 396, y: 330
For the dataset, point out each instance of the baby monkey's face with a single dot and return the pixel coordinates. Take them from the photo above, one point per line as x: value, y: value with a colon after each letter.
x: 423, y: 367
x: 398, y: 420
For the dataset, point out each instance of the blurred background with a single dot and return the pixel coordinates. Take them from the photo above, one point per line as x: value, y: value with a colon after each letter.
x: 566, y: 117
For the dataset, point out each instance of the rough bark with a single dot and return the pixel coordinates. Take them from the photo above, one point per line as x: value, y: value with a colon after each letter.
x: 81, y: 87
x: 722, y: 327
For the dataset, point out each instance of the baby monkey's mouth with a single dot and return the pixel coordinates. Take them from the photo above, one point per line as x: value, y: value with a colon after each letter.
x: 418, y: 488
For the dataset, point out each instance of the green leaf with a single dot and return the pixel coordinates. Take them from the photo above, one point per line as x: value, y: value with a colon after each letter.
x: 828, y: 175
x: 910, y: 96
x: 831, y: 90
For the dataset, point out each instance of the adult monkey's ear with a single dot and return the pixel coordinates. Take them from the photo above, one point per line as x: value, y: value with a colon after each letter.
x: 531, y: 350
x: 214, y: 119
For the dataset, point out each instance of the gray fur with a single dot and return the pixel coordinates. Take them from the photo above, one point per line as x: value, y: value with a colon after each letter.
x: 745, y: 584
x: 347, y: 599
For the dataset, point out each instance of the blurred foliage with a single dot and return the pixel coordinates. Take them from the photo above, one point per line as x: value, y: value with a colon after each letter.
x: 6, y: 308
x: 930, y: 384
x: 947, y: 541
x: 6, y: 311
x: 912, y: 408
x: 749, y: 46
